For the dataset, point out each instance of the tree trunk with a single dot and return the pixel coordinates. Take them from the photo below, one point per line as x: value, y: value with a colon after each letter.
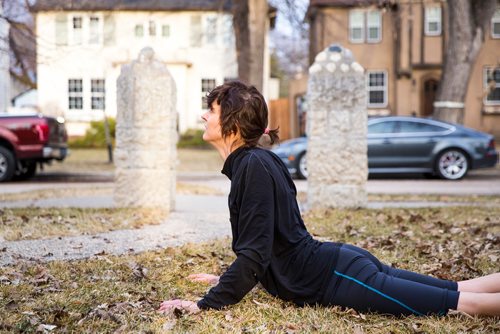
x: 249, y: 22
x: 468, y: 22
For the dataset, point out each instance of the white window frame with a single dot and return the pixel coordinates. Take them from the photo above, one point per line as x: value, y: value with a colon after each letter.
x: 165, y: 27
x: 364, y: 26
x: 358, y: 26
x: 77, y: 94
x: 76, y: 37
x: 141, y: 25
x: 228, y: 31
x: 485, y: 86
x: 206, y: 87
x: 369, y: 88
x: 98, y: 93
x: 152, y: 30
x: 99, y: 32
x: 495, y: 19
x: 377, y: 25
x: 432, y: 17
x: 211, y: 23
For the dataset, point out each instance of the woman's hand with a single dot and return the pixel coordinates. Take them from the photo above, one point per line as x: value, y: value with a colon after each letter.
x: 204, y: 278
x: 184, y: 305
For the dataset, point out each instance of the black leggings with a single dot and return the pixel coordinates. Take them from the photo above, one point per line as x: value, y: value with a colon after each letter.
x: 362, y: 282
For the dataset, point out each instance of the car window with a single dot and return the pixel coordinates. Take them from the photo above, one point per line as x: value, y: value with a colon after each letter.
x: 408, y: 126
x: 382, y: 127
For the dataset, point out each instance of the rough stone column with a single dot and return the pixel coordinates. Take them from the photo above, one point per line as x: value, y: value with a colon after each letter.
x: 336, y: 129
x: 145, y: 154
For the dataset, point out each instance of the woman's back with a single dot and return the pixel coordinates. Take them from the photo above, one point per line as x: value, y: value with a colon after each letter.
x: 297, y: 266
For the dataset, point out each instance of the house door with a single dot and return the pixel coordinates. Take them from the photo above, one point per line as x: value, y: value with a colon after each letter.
x: 430, y: 89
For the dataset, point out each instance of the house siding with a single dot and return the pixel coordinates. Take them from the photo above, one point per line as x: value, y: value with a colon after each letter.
x: 187, y: 64
x: 409, y: 56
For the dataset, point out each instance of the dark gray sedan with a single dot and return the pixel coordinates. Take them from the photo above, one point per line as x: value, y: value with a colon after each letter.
x: 411, y: 145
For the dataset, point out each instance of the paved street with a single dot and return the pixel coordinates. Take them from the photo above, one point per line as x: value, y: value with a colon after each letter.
x: 480, y: 182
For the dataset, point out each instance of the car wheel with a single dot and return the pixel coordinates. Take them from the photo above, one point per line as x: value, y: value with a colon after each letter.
x: 7, y: 164
x: 27, y: 171
x: 452, y: 164
x: 302, y: 166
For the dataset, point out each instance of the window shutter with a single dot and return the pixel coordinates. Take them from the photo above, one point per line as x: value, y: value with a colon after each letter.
x: 195, y: 32
x: 61, y: 29
x: 109, y: 30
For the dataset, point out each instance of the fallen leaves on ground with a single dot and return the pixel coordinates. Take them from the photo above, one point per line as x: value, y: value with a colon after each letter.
x: 121, y: 294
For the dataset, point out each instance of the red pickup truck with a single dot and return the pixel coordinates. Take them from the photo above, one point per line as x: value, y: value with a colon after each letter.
x: 27, y: 140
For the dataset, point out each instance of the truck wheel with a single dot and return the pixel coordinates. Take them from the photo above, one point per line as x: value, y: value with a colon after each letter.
x: 27, y: 171
x: 7, y: 164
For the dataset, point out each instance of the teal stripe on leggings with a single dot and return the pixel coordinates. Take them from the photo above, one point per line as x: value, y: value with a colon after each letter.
x: 377, y: 291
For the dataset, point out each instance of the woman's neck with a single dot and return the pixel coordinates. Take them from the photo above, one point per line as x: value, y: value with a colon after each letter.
x: 227, y: 146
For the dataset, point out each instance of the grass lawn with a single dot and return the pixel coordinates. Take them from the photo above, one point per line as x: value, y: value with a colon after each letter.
x: 121, y: 293
x: 43, y: 223
x: 98, y: 190
x: 83, y: 160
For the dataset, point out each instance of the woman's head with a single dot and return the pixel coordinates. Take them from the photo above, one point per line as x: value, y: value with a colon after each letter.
x: 243, y: 112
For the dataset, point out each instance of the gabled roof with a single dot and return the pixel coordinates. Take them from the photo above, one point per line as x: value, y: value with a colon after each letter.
x: 132, y: 5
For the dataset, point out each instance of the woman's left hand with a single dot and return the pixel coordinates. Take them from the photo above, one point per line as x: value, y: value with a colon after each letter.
x: 186, y: 305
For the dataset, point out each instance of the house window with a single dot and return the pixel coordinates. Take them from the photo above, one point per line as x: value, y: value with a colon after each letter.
x: 228, y: 31
x: 75, y: 94
x: 492, y: 85
x: 433, y: 21
x: 206, y: 87
x: 165, y: 30
x: 356, y: 26
x: 152, y: 28
x: 211, y: 30
x: 376, y: 89
x: 139, y: 30
x: 195, y: 32
x: 94, y: 30
x: 365, y: 26
x: 495, y: 24
x: 373, y: 26
x: 98, y: 91
x: 77, y: 29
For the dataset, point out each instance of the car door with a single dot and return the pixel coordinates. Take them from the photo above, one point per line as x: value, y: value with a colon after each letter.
x: 381, y: 152
x: 414, y: 142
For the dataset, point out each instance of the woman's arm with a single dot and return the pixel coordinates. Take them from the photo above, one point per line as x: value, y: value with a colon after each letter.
x: 204, y: 278
x: 254, y: 237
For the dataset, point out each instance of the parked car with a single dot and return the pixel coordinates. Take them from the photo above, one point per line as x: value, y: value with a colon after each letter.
x: 410, y: 145
x: 27, y: 140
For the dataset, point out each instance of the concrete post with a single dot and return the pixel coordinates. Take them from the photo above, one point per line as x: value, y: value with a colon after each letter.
x: 145, y: 154
x: 336, y: 129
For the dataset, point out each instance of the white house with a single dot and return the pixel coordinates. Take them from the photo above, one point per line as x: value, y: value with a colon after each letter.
x: 81, y: 46
x: 4, y: 62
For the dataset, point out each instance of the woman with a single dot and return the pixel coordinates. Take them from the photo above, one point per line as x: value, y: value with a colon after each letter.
x: 274, y: 248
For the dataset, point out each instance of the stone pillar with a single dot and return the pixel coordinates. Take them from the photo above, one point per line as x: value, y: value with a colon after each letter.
x: 336, y: 129
x: 145, y: 154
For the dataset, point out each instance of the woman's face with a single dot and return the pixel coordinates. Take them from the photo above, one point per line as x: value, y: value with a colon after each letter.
x: 213, y: 131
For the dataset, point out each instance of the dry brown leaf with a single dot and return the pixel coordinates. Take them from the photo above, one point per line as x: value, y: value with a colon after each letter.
x: 358, y: 330
x: 260, y: 304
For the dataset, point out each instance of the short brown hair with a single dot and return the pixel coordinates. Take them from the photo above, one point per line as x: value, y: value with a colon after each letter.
x: 243, y: 108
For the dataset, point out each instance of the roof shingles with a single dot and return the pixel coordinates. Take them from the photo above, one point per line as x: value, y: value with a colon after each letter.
x: 132, y: 5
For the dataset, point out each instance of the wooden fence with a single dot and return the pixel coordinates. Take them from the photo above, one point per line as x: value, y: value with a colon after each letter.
x: 279, y: 116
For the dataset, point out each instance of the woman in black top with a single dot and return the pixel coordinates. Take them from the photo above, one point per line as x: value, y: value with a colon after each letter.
x: 274, y: 248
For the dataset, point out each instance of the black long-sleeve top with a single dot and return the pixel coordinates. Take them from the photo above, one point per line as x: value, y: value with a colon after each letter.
x: 270, y: 239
